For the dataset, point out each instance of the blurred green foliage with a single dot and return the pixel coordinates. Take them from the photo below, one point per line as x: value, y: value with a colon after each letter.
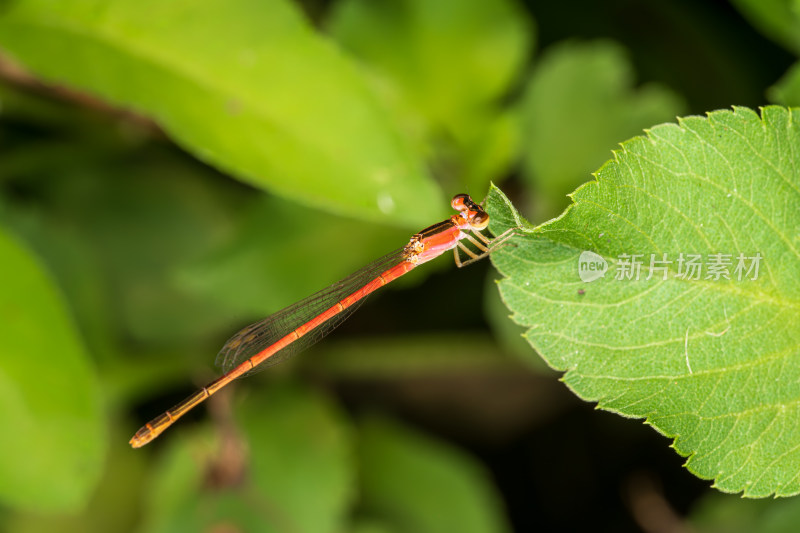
x: 557, y: 98
x: 444, y: 67
x: 238, y: 85
x: 127, y: 261
x: 49, y: 393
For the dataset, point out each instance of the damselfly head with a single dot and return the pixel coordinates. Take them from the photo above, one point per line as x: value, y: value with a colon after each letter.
x: 473, y: 213
x: 478, y: 220
x: 461, y: 202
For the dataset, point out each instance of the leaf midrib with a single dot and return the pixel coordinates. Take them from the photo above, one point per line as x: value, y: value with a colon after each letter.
x: 175, y: 69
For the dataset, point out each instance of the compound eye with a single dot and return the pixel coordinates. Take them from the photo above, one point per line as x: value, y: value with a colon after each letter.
x: 460, y: 202
x: 479, y: 220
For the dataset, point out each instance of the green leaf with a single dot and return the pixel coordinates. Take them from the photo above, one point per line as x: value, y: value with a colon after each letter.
x: 506, y: 333
x: 444, y: 66
x: 288, y: 464
x: 113, y: 506
x: 180, y: 498
x: 443, y: 58
x: 490, y: 153
x: 787, y: 90
x: 719, y: 513
x: 127, y: 239
x: 778, y: 19
x: 421, y: 486
x: 259, y: 272
x: 708, y: 362
x: 579, y: 102
x: 302, y: 458
x: 53, y: 444
x: 245, y: 85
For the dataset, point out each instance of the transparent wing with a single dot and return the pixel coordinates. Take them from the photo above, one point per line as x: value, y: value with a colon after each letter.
x: 256, y: 337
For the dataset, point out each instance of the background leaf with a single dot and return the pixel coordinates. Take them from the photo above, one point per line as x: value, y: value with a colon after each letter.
x: 577, y: 105
x: 707, y: 362
x: 261, y: 480
x: 787, y: 90
x: 779, y: 19
x: 49, y: 395
x: 237, y: 83
x: 444, y: 68
x: 314, y: 442
x: 159, y: 258
x: 717, y: 513
x: 421, y: 486
x: 239, y: 273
